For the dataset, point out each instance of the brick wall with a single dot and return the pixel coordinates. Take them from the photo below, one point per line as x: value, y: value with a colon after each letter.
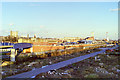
x: 39, y: 48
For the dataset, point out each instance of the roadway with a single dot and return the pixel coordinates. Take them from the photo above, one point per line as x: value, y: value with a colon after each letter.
x: 37, y: 71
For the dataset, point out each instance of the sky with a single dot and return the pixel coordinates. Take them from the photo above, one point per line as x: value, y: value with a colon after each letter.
x: 60, y: 19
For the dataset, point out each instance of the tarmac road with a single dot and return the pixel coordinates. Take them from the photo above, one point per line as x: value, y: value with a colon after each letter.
x: 37, y: 71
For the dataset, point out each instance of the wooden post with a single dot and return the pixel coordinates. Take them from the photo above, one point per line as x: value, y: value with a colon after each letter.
x: 12, y: 56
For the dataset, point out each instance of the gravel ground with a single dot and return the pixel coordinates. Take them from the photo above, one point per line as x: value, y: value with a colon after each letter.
x: 36, y: 62
x: 100, y: 66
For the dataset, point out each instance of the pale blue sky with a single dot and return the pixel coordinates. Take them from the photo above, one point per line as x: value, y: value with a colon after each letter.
x: 61, y: 19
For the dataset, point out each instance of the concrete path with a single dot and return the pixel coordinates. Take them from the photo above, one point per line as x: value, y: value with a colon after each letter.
x: 37, y: 71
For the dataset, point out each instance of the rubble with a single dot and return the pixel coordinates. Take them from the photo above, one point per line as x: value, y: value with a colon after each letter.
x: 44, y: 66
x: 33, y: 63
x: 79, y: 69
x: 90, y: 68
x: 91, y: 76
x: 33, y: 77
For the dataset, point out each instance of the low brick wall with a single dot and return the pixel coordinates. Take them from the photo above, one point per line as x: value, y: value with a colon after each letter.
x: 46, y: 48
x: 40, y: 48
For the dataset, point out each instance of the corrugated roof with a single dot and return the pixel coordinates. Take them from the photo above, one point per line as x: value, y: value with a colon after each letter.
x: 22, y: 45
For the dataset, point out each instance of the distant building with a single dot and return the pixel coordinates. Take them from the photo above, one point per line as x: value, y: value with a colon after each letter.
x: 38, y: 41
x: 14, y: 34
x: 24, y: 40
x: 86, y: 41
x: 71, y: 39
x: 96, y: 41
x: 105, y: 40
x: 89, y: 38
x: 2, y: 38
x: 28, y: 36
x: 34, y: 35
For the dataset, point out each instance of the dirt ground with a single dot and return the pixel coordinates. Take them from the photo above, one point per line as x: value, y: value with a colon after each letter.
x: 37, y: 62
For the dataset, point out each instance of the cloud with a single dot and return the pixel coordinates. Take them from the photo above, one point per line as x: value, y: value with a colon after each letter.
x: 117, y: 9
